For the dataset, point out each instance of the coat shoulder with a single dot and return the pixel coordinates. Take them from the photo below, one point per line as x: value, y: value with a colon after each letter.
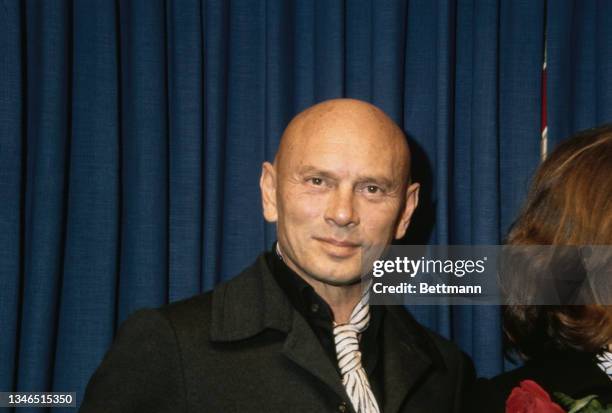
x: 195, y: 313
x: 189, y: 312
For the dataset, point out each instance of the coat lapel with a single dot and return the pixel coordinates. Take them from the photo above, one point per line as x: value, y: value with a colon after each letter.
x: 304, y: 349
x: 407, y: 357
x: 252, y: 302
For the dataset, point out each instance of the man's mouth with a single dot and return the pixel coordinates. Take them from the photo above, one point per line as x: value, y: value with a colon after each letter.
x: 339, y: 248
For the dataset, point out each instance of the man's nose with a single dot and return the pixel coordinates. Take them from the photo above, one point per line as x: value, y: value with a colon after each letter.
x: 341, y: 209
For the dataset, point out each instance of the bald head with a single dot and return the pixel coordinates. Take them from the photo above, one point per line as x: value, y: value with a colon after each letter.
x: 346, y: 122
x: 338, y: 190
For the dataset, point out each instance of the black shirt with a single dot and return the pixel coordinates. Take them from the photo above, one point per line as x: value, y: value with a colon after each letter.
x: 319, y: 316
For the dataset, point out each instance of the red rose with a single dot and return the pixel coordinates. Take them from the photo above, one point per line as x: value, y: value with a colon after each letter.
x: 529, y: 397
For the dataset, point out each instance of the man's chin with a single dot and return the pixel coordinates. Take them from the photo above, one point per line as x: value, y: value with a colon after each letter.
x: 339, y: 280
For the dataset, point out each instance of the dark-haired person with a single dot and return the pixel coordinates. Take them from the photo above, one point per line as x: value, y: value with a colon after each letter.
x: 566, y: 348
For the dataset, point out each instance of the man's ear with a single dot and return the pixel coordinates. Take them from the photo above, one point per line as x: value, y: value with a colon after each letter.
x: 267, y: 184
x: 412, y: 200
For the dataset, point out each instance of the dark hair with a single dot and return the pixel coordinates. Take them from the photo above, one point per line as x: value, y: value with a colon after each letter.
x: 569, y: 203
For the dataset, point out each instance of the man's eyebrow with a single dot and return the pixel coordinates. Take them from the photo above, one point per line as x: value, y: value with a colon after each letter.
x: 309, y: 169
x: 376, y: 179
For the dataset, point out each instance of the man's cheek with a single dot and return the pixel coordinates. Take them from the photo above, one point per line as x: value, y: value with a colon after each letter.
x: 307, y: 211
x: 378, y: 227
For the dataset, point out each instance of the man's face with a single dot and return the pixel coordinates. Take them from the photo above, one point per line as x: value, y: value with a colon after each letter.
x: 340, y: 196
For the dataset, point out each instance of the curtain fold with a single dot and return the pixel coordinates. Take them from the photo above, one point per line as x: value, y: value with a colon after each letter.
x: 244, y: 136
x: 215, y: 32
x: 579, y: 40
x: 186, y: 149
x: 91, y: 263
x: 475, y: 216
x: 12, y: 101
x: 428, y: 94
x: 143, y: 274
x: 47, y: 93
x: 132, y: 136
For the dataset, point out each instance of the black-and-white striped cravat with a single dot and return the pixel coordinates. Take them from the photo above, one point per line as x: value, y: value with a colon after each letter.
x: 354, y: 377
x: 604, y: 362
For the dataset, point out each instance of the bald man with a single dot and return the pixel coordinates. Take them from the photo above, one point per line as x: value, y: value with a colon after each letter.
x: 294, y: 331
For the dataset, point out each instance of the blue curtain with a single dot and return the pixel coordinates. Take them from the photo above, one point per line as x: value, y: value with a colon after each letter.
x: 132, y: 135
x: 579, y: 66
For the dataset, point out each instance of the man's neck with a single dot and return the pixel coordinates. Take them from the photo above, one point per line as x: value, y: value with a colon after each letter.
x: 341, y: 299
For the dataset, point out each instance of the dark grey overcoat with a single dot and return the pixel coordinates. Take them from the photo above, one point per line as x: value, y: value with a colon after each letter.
x: 242, y: 348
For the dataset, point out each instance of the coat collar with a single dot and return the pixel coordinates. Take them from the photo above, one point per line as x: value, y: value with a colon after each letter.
x: 248, y: 304
x: 253, y: 302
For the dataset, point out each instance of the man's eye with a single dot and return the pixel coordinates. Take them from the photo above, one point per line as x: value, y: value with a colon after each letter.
x: 316, y: 181
x: 373, y: 189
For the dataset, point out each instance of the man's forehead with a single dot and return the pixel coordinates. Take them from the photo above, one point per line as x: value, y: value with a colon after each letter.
x: 344, y: 131
x: 346, y: 147
x: 345, y: 159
